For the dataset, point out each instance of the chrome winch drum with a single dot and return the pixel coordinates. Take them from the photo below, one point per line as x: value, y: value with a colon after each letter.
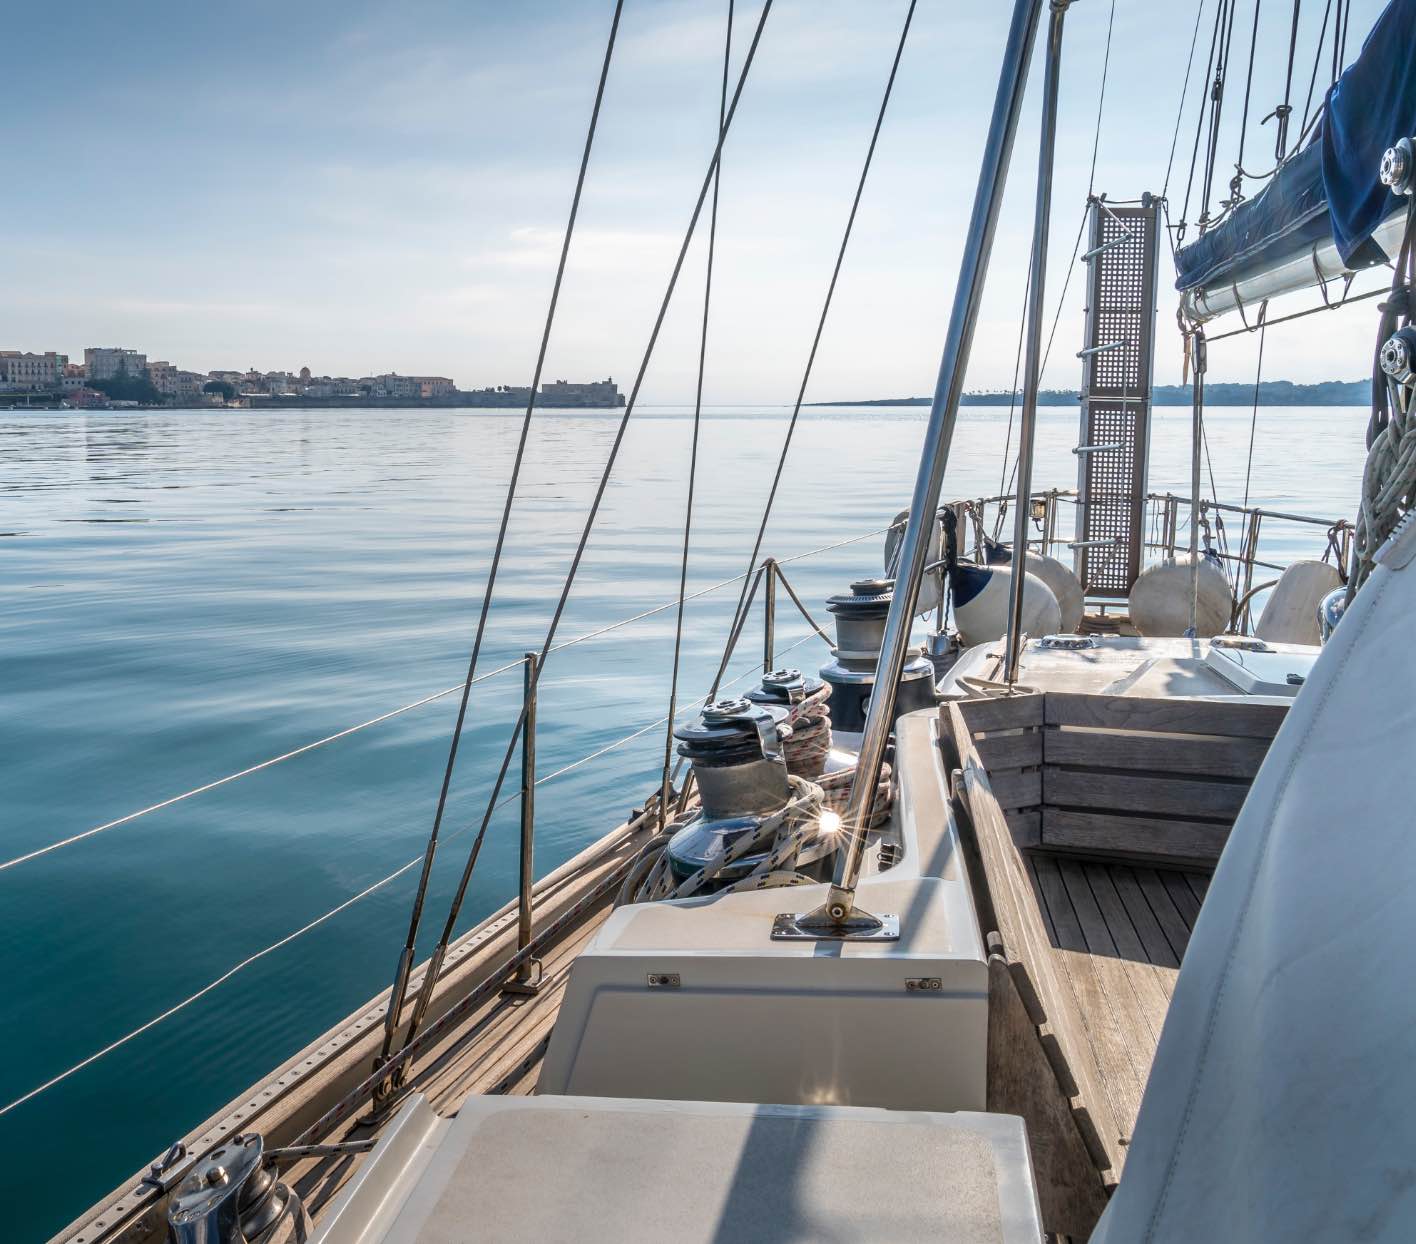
x: 860, y: 630
x: 735, y: 748
x: 231, y: 1197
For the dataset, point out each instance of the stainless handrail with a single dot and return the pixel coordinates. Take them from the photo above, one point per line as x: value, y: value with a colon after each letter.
x: 1032, y: 367
x: 838, y: 917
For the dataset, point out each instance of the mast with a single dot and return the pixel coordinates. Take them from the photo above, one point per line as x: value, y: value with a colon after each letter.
x: 1047, y: 150
x: 837, y: 917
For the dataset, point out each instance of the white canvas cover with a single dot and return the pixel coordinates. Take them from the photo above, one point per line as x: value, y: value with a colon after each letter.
x: 1282, y: 1101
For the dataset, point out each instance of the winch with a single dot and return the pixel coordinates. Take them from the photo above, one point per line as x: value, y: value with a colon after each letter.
x: 230, y: 1197
x: 806, y: 700
x: 736, y: 750
x: 860, y: 630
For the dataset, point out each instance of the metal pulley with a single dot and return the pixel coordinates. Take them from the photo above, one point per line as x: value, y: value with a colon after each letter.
x: 1398, y: 167
x: 860, y: 630
x: 1398, y: 356
x: 784, y: 688
x: 736, y: 750
x: 230, y: 1197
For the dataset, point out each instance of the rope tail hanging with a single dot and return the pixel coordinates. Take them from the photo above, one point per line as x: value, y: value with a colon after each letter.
x: 1389, y: 476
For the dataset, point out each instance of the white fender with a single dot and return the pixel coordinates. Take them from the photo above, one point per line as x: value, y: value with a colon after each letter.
x: 1160, y: 599
x: 1064, y: 584
x: 981, y: 603
x: 1291, y: 614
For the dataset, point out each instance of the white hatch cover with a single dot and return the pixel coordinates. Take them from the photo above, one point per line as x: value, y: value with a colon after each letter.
x: 592, y: 1168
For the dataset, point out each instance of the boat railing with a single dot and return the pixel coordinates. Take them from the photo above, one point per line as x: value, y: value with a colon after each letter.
x: 1237, y: 535
x: 769, y: 571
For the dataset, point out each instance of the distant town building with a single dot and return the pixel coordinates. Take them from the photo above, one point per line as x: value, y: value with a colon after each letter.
x: 74, y: 377
x: 189, y: 386
x: 107, y: 363
x: 83, y: 397
x: 164, y: 378
x: 20, y: 370
x: 334, y: 386
x: 596, y: 393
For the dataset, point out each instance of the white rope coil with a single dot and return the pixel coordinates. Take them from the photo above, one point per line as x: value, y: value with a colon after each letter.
x: 1388, y: 487
x: 788, y: 839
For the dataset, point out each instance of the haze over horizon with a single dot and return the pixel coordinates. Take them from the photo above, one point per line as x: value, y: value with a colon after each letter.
x: 366, y: 187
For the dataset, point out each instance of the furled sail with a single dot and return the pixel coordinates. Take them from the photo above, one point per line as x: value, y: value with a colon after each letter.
x: 1325, y: 213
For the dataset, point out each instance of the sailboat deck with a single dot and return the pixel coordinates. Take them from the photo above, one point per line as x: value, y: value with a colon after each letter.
x: 498, y: 1051
x: 1097, y: 820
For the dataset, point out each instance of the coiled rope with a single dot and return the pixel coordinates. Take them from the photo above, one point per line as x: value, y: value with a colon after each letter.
x: 788, y: 839
x: 1389, y: 474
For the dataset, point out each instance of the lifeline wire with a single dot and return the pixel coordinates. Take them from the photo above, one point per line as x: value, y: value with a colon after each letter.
x: 395, y: 1003
x: 407, y: 708
x: 330, y: 914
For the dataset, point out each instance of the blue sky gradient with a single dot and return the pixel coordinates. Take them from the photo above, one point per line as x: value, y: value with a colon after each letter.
x: 361, y: 187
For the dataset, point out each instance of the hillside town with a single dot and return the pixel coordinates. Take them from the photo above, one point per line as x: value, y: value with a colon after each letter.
x: 116, y: 377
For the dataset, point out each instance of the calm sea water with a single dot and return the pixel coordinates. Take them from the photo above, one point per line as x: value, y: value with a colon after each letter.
x: 187, y: 593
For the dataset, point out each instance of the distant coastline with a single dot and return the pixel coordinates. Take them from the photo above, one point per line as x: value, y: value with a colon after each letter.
x: 1271, y: 393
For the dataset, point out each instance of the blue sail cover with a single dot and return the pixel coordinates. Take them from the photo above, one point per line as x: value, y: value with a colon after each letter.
x: 1329, y: 191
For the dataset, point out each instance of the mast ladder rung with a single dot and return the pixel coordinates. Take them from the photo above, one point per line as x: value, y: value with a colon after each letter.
x: 1101, y: 349
x: 1106, y: 246
x: 1113, y: 442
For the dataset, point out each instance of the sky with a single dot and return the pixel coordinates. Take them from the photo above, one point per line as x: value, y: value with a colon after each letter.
x: 360, y: 186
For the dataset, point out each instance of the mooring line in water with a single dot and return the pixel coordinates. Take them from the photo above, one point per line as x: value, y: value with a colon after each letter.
x: 339, y: 908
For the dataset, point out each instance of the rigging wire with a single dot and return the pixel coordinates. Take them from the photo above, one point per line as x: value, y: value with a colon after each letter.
x: 820, y: 326
x: 1254, y: 418
x: 425, y: 994
x: 1101, y: 98
x: 1236, y: 184
x: 1066, y: 281
x: 1184, y: 95
x: 1221, y: 79
x: 1283, y: 111
x: 1003, y: 477
x: 697, y: 423
x: 344, y: 905
x: 396, y: 998
x: 1317, y: 60
x: 1200, y: 122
